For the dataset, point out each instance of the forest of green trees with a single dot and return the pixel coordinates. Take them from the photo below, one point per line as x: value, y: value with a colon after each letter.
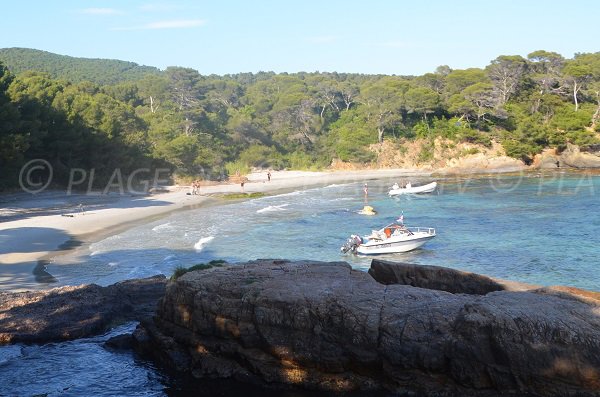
x: 209, y: 126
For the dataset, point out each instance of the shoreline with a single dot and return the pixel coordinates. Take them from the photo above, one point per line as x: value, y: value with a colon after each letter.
x: 50, y: 225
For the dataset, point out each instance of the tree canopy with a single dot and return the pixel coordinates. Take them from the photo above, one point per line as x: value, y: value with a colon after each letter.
x: 112, y: 114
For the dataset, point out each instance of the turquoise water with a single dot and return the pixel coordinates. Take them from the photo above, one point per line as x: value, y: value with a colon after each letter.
x: 536, y: 228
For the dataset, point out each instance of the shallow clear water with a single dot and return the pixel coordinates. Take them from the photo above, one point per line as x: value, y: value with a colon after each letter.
x: 536, y: 228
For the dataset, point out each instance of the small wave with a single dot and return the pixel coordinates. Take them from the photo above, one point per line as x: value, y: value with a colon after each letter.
x: 7, y: 353
x: 272, y: 208
x: 112, y: 264
x: 169, y: 258
x: 95, y: 253
x: 200, y: 244
x: 161, y: 227
x: 294, y: 193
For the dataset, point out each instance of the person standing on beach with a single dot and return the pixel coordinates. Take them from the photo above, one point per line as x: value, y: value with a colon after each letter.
x: 242, y: 185
x: 269, y: 176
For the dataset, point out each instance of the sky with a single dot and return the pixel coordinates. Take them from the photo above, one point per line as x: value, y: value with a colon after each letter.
x: 376, y: 36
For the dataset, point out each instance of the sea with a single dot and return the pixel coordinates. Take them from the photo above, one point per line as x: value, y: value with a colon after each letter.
x: 539, y: 228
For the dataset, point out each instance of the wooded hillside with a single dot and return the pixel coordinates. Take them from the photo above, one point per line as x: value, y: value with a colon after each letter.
x: 98, y: 71
x: 210, y: 126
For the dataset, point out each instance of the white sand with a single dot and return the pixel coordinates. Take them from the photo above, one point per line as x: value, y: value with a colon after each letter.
x: 33, y: 227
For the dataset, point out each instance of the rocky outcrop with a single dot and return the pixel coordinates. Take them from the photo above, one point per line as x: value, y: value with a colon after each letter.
x: 548, y: 159
x: 325, y: 326
x: 74, y: 312
x: 572, y: 156
x: 482, y: 163
x: 432, y: 277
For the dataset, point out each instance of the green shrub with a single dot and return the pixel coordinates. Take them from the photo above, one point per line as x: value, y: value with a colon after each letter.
x: 475, y: 137
x: 468, y: 152
x: 237, y: 168
x: 426, y: 154
x: 519, y: 150
x: 262, y: 156
x: 180, y: 270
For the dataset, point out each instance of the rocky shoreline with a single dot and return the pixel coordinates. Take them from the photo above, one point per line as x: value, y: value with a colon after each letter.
x: 74, y: 312
x: 324, y: 326
x: 403, y: 328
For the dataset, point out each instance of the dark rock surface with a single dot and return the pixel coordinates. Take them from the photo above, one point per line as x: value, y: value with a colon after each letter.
x: 326, y: 326
x: 74, y: 312
x: 432, y: 277
x: 120, y: 342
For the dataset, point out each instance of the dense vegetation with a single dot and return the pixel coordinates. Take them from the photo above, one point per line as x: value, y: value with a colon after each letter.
x: 99, y: 71
x: 211, y: 126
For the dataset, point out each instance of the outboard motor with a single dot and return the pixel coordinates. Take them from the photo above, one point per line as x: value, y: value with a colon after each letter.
x: 351, y: 244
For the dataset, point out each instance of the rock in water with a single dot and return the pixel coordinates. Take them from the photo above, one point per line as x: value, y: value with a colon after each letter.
x: 73, y: 312
x: 325, y: 326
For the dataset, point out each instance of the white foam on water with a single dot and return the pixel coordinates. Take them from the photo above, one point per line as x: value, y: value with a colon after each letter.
x: 111, y: 264
x: 200, y: 244
x: 161, y: 227
x: 272, y: 208
x: 294, y: 193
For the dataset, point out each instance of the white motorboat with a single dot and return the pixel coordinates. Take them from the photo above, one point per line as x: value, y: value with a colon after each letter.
x: 409, y: 189
x: 390, y: 239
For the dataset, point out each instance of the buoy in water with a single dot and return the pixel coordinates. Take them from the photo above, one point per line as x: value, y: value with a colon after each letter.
x: 367, y: 210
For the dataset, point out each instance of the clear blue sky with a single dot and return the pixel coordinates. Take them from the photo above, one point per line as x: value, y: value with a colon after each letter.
x: 391, y: 37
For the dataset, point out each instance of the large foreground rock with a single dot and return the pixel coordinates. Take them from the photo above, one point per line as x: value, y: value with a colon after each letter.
x: 325, y: 326
x: 74, y: 312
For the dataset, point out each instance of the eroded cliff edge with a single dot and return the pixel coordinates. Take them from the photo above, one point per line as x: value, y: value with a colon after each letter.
x: 325, y: 326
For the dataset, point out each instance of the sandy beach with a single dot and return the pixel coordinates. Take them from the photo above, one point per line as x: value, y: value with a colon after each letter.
x: 34, y: 228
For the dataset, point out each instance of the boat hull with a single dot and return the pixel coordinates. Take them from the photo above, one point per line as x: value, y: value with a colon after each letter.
x: 430, y: 187
x: 392, y: 247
